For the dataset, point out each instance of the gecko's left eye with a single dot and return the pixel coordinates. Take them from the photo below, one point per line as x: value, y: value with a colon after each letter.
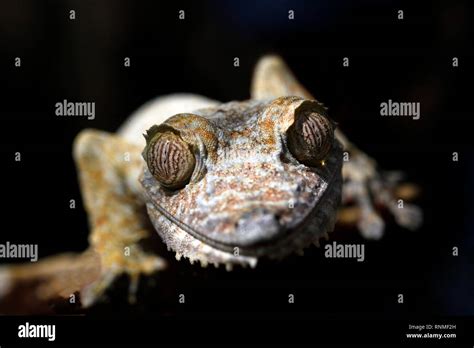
x: 170, y: 160
x: 311, y: 136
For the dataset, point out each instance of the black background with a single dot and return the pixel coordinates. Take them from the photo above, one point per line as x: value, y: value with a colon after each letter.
x: 405, y: 60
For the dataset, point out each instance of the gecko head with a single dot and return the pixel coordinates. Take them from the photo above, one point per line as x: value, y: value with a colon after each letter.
x: 245, y: 179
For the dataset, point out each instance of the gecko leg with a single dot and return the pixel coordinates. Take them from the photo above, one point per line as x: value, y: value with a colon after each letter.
x: 108, y: 172
x: 363, y: 183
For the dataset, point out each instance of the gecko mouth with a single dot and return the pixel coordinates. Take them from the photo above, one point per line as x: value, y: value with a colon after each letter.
x: 283, y: 238
x: 260, y: 229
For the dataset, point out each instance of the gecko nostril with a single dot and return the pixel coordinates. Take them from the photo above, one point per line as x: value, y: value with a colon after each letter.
x: 257, y: 226
x: 278, y: 216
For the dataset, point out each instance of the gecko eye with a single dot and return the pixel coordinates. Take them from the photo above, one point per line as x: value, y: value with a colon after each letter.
x: 170, y: 160
x: 311, y: 136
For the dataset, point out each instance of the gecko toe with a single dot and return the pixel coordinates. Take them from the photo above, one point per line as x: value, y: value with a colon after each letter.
x: 410, y: 217
x: 371, y: 226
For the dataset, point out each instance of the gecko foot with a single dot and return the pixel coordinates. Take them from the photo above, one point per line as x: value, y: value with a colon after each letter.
x: 373, y: 192
x: 132, y: 261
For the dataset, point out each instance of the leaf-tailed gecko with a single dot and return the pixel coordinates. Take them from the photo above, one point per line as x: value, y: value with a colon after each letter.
x: 221, y: 183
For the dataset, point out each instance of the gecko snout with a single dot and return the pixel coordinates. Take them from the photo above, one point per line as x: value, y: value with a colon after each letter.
x: 257, y: 225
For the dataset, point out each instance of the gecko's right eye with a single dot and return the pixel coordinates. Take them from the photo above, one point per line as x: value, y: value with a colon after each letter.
x: 170, y: 160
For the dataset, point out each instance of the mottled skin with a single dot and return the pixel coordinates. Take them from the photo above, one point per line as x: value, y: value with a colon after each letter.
x: 248, y: 197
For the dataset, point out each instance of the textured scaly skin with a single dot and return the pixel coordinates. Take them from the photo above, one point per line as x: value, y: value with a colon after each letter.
x: 255, y: 198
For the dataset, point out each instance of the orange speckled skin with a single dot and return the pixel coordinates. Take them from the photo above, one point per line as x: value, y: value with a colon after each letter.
x: 249, y: 192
